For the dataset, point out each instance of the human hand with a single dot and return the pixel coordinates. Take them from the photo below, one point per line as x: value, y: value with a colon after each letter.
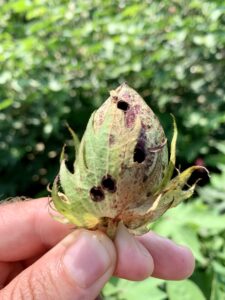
x: 43, y: 259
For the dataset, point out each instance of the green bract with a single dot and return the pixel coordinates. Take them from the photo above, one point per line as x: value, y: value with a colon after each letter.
x: 121, y: 171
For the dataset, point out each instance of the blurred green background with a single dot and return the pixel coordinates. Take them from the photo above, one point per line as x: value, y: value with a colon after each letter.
x: 59, y: 59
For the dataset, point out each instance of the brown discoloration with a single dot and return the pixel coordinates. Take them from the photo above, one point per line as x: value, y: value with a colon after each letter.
x: 145, y: 177
x: 111, y: 139
x: 130, y: 119
x: 114, y: 96
x: 131, y: 115
x: 100, y: 118
x: 137, y: 108
x: 150, y: 158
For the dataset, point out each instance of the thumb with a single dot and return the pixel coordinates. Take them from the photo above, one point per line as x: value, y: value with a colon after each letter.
x: 76, y: 268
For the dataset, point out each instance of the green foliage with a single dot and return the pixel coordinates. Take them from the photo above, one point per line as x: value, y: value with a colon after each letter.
x: 214, y: 193
x: 186, y: 291
x: 124, y: 289
x: 59, y: 58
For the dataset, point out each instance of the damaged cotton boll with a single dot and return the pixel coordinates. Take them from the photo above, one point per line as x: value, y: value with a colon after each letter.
x: 122, y: 171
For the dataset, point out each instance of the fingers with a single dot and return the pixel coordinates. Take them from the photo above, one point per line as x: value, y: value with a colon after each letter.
x: 27, y: 229
x: 150, y: 254
x: 171, y: 261
x: 134, y: 261
x: 9, y: 271
x: 76, y: 268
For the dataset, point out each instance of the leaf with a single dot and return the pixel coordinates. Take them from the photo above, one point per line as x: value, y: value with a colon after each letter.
x: 129, y: 290
x: 186, y: 236
x: 195, y: 214
x: 6, y: 103
x: 185, y: 290
x: 218, y: 290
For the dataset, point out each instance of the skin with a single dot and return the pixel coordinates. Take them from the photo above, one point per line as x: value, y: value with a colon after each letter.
x: 43, y: 259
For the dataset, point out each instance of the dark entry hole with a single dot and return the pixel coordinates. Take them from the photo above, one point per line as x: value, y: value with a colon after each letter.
x: 97, y: 193
x: 139, y: 154
x: 109, y: 184
x: 123, y: 105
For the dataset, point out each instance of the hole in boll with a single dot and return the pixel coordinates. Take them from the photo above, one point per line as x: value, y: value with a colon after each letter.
x: 123, y: 105
x: 139, y: 154
x: 109, y: 184
x: 97, y: 193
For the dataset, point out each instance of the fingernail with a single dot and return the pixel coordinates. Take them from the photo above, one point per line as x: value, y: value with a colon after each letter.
x: 87, y: 259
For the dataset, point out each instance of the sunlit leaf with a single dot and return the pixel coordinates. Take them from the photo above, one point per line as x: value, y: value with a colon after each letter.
x: 185, y: 290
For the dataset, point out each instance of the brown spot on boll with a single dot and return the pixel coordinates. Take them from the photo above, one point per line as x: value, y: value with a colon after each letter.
x: 114, y: 96
x: 130, y: 119
x: 145, y: 177
x: 100, y: 118
x: 130, y: 115
x: 111, y: 139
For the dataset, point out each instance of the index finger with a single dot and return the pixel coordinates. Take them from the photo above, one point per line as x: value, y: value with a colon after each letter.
x: 27, y: 229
